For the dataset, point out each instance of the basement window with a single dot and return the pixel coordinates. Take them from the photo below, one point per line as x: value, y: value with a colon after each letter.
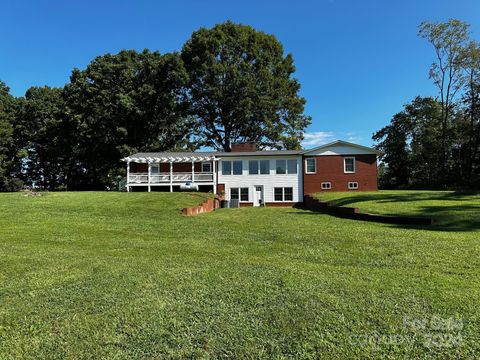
x: 353, y: 185
x: 326, y: 185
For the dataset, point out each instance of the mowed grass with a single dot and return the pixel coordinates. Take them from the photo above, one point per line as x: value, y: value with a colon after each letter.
x: 451, y: 211
x: 124, y: 275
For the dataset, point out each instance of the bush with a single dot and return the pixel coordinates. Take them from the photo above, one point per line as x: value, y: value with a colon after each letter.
x: 12, y: 184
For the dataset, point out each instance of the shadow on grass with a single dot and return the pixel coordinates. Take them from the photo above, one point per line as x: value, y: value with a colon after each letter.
x: 464, y: 216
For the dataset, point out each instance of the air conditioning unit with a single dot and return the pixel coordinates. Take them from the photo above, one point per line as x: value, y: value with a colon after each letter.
x: 234, y: 203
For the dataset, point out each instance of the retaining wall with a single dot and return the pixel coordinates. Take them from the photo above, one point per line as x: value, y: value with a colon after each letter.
x: 206, y: 206
x: 354, y: 213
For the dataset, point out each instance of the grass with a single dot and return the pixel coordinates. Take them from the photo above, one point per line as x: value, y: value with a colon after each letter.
x: 116, y: 275
x: 451, y: 211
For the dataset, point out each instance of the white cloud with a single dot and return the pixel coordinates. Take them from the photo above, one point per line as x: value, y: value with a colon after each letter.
x: 317, y: 138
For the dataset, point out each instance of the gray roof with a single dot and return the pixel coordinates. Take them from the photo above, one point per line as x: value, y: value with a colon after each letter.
x: 203, y: 155
x: 210, y: 155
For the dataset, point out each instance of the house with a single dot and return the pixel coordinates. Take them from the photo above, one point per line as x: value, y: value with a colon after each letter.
x: 258, y: 177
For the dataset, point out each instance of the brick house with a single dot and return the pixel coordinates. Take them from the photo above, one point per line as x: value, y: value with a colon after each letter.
x: 258, y: 177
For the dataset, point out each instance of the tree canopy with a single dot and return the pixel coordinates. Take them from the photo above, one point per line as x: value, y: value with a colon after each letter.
x: 125, y: 103
x: 241, y: 88
x: 229, y: 83
x: 7, y: 116
x: 435, y: 142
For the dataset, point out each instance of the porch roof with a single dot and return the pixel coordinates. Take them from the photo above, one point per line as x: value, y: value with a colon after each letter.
x: 174, y: 157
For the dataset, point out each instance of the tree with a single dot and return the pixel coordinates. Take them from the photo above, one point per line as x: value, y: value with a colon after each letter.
x: 395, y: 163
x: 241, y: 88
x: 39, y: 139
x: 470, y: 127
x: 412, y: 145
x: 7, y: 116
x: 121, y: 104
x: 448, y: 40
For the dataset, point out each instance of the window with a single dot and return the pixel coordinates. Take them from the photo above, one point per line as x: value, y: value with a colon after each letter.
x: 243, y: 194
x: 264, y: 167
x: 239, y: 194
x: 288, y: 194
x: 311, y: 166
x: 283, y: 194
x: 281, y: 167
x: 253, y: 167
x: 226, y: 168
x: 278, y: 194
x: 154, y: 169
x: 349, y: 165
x: 286, y: 166
x: 237, y: 167
x: 292, y: 166
x: 206, y: 167
x: 326, y: 185
x: 353, y: 185
x: 234, y: 194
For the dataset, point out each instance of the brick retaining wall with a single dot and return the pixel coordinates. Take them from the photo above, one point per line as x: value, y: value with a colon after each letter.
x: 206, y: 206
x: 355, y: 214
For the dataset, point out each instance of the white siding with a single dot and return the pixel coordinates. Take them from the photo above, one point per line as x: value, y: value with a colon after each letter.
x: 269, y: 182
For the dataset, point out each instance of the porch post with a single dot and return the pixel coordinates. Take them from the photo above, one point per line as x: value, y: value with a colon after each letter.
x: 214, y: 168
x: 171, y: 176
x: 128, y: 175
x: 193, y: 171
x: 149, y: 175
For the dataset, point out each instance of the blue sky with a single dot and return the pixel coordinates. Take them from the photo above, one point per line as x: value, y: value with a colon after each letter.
x: 358, y: 61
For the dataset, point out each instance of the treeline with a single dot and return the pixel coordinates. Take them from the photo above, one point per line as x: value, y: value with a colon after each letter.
x: 435, y: 141
x: 229, y: 83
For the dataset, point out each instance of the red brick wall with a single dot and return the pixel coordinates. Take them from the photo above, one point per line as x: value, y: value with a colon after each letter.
x: 330, y: 169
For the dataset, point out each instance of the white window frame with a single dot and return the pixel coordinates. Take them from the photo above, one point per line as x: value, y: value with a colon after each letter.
x: 231, y: 168
x: 286, y: 167
x: 327, y: 185
x: 239, y: 188
x: 258, y: 167
x: 206, y: 163
x: 306, y: 166
x: 154, y: 166
x: 351, y: 186
x: 345, y: 165
x: 241, y: 169
x: 283, y: 193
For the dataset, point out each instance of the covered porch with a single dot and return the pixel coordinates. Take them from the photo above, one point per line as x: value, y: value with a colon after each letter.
x: 171, y: 172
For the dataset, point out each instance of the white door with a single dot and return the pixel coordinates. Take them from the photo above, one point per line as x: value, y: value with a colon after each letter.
x: 258, y: 201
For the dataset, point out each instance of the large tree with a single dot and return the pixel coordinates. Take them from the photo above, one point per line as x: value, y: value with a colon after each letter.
x: 412, y: 146
x: 448, y: 40
x: 242, y: 88
x: 469, y: 128
x: 41, y: 144
x: 121, y: 104
x: 7, y: 155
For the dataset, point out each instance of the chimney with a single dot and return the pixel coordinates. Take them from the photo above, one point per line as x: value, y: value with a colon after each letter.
x: 244, y: 146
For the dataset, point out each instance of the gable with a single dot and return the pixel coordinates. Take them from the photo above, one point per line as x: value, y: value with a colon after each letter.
x: 341, y: 148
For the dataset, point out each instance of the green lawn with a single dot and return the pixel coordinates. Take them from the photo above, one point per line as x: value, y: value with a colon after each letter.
x: 116, y: 275
x: 452, y: 211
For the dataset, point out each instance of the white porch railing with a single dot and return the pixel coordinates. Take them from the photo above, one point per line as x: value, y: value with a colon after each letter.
x: 142, y: 178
